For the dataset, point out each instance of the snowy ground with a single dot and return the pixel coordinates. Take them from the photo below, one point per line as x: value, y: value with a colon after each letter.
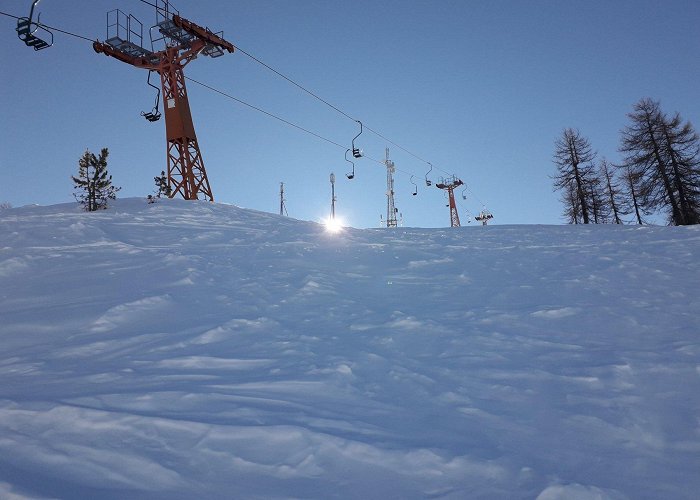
x: 194, y: 350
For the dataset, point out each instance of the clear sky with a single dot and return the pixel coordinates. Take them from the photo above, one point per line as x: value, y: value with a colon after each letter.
x: 480, y: 89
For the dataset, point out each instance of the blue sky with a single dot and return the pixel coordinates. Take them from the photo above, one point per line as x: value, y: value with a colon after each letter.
x: 479, y: 89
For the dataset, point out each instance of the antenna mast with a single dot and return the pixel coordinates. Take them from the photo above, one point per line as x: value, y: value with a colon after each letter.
x: 391, y: 209
x: 449, y: 185
x: 283, y: 207
x: 183, y: 41
x: 333, y: 198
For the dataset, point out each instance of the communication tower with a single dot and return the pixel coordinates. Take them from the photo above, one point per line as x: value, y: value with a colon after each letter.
x: 283, y: 207
x: 182, y: 42
x: 391, y: 209
x: 449, y: 185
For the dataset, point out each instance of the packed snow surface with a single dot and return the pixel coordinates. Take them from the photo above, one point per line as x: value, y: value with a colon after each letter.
x: 183, y: 350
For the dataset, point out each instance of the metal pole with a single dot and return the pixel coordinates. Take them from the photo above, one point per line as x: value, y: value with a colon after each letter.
x: 332, y: 196
x: 281, y: 198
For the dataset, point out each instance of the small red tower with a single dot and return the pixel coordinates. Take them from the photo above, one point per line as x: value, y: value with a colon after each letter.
x: 449, y: 185
x: 183, y: 41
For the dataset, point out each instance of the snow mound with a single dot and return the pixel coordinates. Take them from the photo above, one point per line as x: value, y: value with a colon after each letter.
x: 198, y: 350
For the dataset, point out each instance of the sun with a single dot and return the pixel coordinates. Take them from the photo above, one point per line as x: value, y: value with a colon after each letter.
x: 333, y: 224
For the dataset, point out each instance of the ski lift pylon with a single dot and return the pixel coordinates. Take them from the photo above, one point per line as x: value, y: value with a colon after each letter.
x: 26, y: 29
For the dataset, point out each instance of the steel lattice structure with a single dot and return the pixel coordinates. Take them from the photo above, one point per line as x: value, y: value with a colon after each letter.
x: 183, y: 41
x: 449, y: 185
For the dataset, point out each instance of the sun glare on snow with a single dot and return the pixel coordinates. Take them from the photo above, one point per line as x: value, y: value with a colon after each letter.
x: 333, y: 225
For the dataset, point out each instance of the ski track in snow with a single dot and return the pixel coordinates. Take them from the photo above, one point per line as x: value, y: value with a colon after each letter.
x: 197, y: 350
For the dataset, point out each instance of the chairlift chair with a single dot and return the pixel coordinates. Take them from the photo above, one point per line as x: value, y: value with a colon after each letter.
x: 154, y: 114
x: 428, y: 182
x: 26, y: 29
x: 415, y: 187
x: 484, y: 216
x: 356, y: 152
x: 349, y: 175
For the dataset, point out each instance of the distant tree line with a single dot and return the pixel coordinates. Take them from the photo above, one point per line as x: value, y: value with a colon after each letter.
x: 659, y: 172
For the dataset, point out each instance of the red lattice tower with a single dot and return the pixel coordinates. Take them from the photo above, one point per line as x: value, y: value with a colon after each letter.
x: 183, y: 41
x: 449, y: 185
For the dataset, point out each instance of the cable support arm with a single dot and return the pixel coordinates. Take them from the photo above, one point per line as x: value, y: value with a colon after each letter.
x: 109, y: 51
x: 202, y: 33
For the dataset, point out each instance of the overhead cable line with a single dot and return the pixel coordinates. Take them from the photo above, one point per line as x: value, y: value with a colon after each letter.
x: 327, y: 103
x: 283, y: 120
x: 229, y: 96
x: 316, y: 96
x: 296, y: 84
x: 286, y: 122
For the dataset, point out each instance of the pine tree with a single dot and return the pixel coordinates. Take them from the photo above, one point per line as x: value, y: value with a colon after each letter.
x: 93, y: 183
x: 575, y: 174
x: 162, y: 185
x: 663, y: 157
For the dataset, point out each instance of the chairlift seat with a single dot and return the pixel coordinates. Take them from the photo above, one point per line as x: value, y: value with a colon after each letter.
x: 151, y: 116
x: 25, y: 33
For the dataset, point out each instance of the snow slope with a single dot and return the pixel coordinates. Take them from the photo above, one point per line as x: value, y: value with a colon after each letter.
x: 195, y: 350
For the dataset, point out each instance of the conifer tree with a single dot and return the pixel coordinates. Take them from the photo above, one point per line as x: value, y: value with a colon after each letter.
x: 663, y: 156
x: 162, y: 185
x: 682, y: 147
x: 575, y: 174
x: 93, y: 185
